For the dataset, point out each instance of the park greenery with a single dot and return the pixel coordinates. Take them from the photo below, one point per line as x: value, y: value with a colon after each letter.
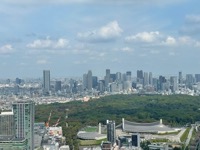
x: 175, y: 110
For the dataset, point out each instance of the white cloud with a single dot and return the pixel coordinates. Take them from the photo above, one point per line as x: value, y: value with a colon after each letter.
x: 170, y: 41
x: 6, y: 49
x: 109, y: 32
x: 147, y: 37
x: 49, y: 44
x: 126, y: 49
x: 42, y: 62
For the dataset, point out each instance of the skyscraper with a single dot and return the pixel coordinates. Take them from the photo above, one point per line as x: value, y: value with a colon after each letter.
x: 150, y: 78
x: 89, y: 80
x: 128, y: 76
x: 46, y: 81
x: 111, y: 133
x: 24, y: 116
x: 180, y: 78
x: 146, y: 78
x: 107, y: 77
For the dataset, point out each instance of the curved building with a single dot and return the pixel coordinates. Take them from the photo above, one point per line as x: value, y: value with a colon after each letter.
x: 154, y: 127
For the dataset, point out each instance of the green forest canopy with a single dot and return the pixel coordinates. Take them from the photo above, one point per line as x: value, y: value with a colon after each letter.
x: 174, y: 109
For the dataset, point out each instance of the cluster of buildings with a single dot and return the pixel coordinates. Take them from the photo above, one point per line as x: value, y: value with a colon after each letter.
x: 18, y: 131
x: 129, y: 135
x: 91, y: 85
x: 49, y: 90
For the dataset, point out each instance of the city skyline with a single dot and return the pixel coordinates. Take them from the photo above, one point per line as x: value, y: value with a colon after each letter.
x: 71, y: 37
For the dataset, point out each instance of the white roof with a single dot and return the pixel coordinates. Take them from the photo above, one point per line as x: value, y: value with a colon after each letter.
x: 7, y: 113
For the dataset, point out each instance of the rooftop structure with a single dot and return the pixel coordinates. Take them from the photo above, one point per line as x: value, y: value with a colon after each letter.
x: 154, y: 127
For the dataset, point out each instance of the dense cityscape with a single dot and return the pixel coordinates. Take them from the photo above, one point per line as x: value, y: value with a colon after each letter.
x: 99, y: 75
x: 16, y: 95
x: 48, y: 90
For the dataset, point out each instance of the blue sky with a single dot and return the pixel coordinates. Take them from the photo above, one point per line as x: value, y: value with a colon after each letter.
x: 69, y: 37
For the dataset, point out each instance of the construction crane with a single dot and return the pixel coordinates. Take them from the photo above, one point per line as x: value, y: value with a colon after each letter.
x: 47, y: 123
x: 57, y: 122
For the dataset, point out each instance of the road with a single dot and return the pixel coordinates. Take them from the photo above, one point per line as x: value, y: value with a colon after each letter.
x: 189, y: 137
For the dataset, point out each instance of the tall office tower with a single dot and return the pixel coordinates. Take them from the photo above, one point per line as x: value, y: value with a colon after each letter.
x: 84, y: 81
x: 111, y: 133
x: 161, y: 82
x: 94, y: 81
x: 197, y: 78
x: 89, y: 80
x: 24, y: 116
x: 118, y: 76
x: 139, y: 74
x: 174, y: 83
x: 189, y: 80
x: 112, y: 77
x: 180, y: 78
x: 58, y: 86
x: 150, y: 78
x: 7, y: 124
x: 101, y: 86
x: 107, y: 77
x: 46, y: 80
x: 146, y: 78
x: 135, y: 138
x: 128, y: 75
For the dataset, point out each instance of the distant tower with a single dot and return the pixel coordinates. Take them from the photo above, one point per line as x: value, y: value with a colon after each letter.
x: 128, y: 76
x: 107, y: 77
x: 180, y: 78
x: 146, y: 78
x: 111, y: 133
x: 89, y: 80
x: 46, y: 81
x: 24, y: 116
x: 150, y: 78
x: 174, y: 83
x: 58, y: 86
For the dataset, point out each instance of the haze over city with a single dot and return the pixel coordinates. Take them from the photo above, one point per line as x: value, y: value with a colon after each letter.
x: 73, y: 36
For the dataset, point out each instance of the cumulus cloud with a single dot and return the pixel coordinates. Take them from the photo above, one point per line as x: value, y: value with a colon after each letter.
x: 170, y: 41
x: 42, y: 62
x: 147, y: 37
x: 109, y: 32
x: 49, y: 44
x: 6, y: 49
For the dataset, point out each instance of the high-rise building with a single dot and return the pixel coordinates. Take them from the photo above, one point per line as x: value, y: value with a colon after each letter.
x: 111, y: 133
x: 135, y: 138
x: 139, y: 74
x: 89, y: 80
x: 107, y: 77
x: 197, y: 78
x: 94, y: 81
x: 7, y: 124
x: 189, y: 80
x: 58, y: 86
x: 174, y: 83
x: 146, y: 78
x: 24, y: 116
x: 46, y: 81
x: 150, y: 78
x: 118, y: 76
x: 128, y: 76
x: 180, y: 78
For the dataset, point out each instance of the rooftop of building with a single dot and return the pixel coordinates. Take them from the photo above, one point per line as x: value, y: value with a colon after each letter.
x: 154, y: 127
x: 6, y: 113
x: 90, y: 135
